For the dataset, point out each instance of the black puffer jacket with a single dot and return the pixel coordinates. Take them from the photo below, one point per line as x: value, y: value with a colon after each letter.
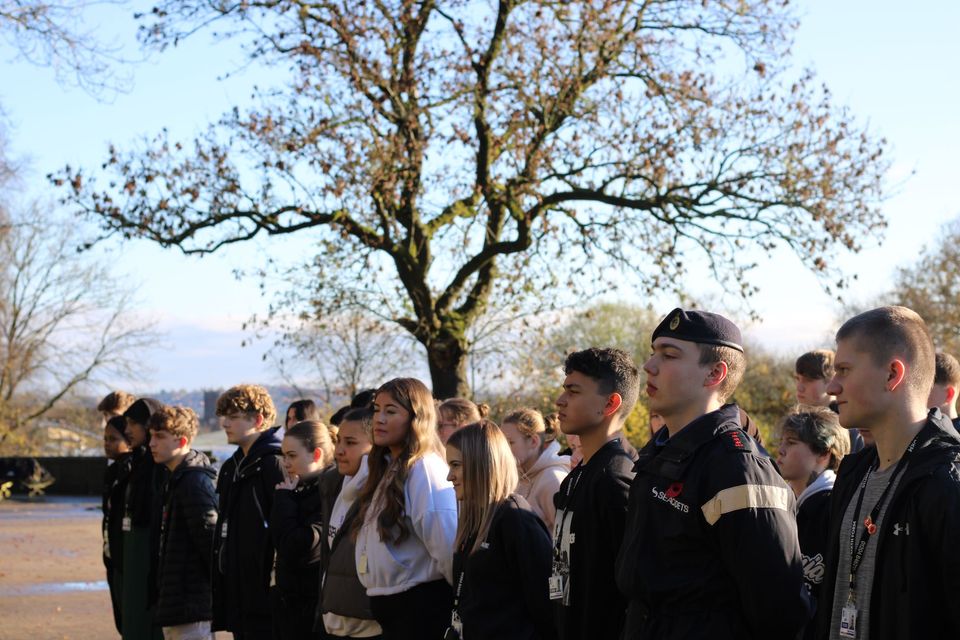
x: 916, y: 582
x: 296, y: 524
x: 186, y: 543
x: 243, y: 550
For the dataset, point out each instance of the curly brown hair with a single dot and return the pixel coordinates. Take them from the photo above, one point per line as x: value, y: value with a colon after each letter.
x: 250, y: 400
x: 180, y: 422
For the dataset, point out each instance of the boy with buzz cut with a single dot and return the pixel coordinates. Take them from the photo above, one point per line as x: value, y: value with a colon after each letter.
x: 893, y: 566
x: 243, y: 551
x: 946, y: 383
x: 189, y: 517
x: 812, y: 373
x: 710, y: 549
x: 599, y: 391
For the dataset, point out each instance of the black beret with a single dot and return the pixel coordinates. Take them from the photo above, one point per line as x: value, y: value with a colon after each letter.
x: 701, y: 327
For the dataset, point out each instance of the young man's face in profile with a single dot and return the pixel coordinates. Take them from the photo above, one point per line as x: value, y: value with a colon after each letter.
x: 239, y: 426
x: 675, y: 377
x: 797, y: 461
x: 859, y: 386
x: 581, y: 404
x: 812, y: 391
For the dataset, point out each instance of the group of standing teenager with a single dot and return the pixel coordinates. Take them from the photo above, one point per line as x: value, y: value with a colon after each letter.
x: 419, y: 519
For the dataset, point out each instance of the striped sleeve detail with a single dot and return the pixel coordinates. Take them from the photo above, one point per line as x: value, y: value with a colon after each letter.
x: 745, y: 496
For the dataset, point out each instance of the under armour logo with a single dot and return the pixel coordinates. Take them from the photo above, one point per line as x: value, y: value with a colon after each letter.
x: 905, y: 528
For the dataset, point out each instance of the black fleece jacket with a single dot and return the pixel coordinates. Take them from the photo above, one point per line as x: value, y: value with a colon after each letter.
x: 504, y: 594
x: 186, y: 543
x: 916, y: 583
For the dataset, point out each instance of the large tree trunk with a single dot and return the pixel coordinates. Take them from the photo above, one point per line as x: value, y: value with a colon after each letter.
x: 447, y: 357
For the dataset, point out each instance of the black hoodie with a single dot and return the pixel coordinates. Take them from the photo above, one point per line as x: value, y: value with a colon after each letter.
x: 186, y: 543
x: 591, y: 515
x: 916, y: 582
x: 243, y: 550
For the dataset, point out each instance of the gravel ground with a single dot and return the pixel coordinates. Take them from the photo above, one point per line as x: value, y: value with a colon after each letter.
x: 52, y: 581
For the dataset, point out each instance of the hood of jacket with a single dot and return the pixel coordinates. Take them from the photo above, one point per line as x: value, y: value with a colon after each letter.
x: 351, y: 486
x: 267, y: 444
x: 824, y: 482
x: 549, y: 458
x: 194, y: 462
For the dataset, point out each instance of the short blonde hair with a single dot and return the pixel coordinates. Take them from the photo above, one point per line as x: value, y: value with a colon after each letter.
x: 250, y: 400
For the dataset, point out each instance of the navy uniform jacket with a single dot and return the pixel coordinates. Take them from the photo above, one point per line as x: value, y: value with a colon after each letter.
x: 710, y: 548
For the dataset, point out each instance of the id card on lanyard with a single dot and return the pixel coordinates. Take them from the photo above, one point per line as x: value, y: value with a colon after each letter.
x: 849, y: 613
x: 558, y: 583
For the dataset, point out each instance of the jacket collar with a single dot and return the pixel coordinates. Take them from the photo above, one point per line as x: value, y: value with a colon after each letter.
x: 670, y: 458
x: 268, y: 443
x: 936, y: 442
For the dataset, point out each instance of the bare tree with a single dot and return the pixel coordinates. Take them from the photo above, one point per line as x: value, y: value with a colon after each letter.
x: 931, y: 287
x: 65, y: 323
x: 58, y: 35
x: 449, y: 153
x: 345, y: 353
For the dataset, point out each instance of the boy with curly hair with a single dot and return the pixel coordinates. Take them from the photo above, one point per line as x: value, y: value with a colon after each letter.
x: 189, y: 517
x: 243, y: 549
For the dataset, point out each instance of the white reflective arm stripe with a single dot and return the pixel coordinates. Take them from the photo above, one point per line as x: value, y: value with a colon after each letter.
x: 745, y: 496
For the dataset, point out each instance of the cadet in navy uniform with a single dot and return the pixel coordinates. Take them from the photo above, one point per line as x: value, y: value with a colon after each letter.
x: 710, y: 548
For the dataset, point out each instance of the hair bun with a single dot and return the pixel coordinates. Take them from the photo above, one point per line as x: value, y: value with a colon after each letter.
x: 483, y: 409
x: 551, y: 423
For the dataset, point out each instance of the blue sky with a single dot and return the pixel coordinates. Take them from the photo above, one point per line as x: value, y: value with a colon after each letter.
x: 893, y: 66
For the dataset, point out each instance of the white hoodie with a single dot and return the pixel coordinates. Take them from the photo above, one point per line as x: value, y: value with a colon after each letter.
x: 543, y: 480
x: 824, y: 482
x: 426, y: 554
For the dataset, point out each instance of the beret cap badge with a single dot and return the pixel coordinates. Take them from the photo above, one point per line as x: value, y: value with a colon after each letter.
x: 701, y: 327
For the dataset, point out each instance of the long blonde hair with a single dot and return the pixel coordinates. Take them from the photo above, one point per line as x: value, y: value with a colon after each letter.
x: 420, y: 440
x: 489, y: 477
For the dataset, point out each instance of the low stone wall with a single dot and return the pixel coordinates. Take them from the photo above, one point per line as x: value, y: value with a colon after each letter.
x: 73, y: 476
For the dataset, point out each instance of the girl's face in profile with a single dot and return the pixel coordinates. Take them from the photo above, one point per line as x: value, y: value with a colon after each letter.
x: 391, y: 422
x: 136, y: 434
x: 352, y: 444
x: 298, y: 460
x: 455, y: 476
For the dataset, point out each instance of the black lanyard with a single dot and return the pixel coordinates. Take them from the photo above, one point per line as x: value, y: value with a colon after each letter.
x: 869, y: 524
x: 561, y: 514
